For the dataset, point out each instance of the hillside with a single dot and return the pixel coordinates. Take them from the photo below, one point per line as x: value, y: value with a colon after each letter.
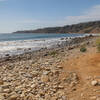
x: 87, y: 27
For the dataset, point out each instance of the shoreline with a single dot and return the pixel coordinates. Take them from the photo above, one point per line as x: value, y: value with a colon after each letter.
x: 68, y: 45
x: 16, y: 47
x: 50, y: 74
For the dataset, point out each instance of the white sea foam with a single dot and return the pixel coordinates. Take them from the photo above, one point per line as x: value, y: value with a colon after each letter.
x: 20, y: 46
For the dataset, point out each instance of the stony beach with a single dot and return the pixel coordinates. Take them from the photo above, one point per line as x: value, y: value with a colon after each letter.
x: 62, y: 73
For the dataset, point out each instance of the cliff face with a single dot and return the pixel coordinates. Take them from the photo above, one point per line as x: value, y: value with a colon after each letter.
x: 88, y: 27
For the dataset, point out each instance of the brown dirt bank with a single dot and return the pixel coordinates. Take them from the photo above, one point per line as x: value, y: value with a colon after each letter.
x: 87, y: 67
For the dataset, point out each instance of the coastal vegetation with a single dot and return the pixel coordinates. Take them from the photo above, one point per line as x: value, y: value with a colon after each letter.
x: 53, y: 53
x: 83, y: 48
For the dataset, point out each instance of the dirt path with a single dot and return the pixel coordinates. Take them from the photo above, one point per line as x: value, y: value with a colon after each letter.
x: 87, y: 67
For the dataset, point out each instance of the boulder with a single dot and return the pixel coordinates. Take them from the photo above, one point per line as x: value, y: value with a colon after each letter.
x: 94, y: 83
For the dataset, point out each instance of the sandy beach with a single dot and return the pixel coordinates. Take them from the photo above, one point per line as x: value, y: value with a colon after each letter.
x: 62, y: 73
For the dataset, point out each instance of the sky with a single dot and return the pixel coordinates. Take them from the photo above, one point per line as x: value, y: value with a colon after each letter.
x: 32, y: 14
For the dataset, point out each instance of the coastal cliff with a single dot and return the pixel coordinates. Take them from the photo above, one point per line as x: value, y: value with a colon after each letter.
x: 87, y: 27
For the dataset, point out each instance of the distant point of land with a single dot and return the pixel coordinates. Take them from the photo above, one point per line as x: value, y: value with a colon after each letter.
x: 86, y: 27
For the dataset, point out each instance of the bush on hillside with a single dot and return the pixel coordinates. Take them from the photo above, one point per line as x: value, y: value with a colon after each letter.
x: 83, y: 49
x: 53, y: 53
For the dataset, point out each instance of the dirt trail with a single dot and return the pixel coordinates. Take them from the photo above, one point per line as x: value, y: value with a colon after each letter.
x: 87, y: 67
x: 87, y: 64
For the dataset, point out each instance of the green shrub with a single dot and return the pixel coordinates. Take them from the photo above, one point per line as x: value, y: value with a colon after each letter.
x: 53, y: 53
x: 83, y: 49
x: 98, y: 44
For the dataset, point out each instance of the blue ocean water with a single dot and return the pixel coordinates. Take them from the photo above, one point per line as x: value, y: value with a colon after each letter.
x: 28, y: 36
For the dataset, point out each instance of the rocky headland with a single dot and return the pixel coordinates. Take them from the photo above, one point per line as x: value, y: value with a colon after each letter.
x: 87, y: 27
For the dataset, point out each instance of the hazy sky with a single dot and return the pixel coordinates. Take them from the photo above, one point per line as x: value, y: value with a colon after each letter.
x: 32, y: 14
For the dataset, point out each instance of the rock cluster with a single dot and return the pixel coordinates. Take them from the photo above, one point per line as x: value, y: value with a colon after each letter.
x: 28, y: 80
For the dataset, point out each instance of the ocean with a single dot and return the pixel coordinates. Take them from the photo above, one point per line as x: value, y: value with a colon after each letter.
x: 14, y: 44
x: 28, y: 36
